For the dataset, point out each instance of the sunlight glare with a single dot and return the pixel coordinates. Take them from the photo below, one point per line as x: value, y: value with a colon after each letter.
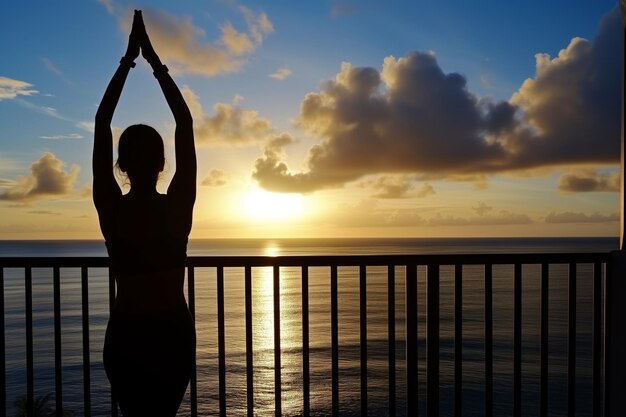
x: 263, y: 205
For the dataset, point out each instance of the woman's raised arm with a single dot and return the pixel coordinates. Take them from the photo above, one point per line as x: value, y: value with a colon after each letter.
x: 182, y: 189
x: 105, y: 188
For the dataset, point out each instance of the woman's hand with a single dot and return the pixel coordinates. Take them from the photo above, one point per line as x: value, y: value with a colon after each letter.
x: 134, y: 40
x: 146, y: 46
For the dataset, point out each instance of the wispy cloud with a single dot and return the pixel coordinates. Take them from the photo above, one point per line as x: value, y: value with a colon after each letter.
x: 369, y: 213
x: 11, y: 88
x: 86, y: 126
x: 48, y: 64
x: 45, y: 212
x: 579, y: 217
x: 216, y: 178
x: 414, y: 118
x: 281, y: 74
x: 109, y: 4
x: 72, y: 136
x: 341, y: 8
x: 503, y: 217
x: 55, y: 70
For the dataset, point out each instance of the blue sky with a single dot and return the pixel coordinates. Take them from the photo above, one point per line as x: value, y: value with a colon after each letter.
x: 283, y: 56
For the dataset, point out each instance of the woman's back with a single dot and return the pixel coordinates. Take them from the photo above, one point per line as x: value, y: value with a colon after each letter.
x: 147, y: 255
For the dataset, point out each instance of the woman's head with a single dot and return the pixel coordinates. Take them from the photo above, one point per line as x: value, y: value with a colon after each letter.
x: 140, y: 154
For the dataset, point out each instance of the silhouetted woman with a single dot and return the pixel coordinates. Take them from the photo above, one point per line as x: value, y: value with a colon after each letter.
x: 149, y: 346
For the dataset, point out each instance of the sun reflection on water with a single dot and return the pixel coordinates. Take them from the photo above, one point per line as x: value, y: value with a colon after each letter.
x: 271, y: 249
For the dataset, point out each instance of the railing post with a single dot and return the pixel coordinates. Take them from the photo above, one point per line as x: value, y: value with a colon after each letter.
x: 615, y: 335
x: 3, y: 380
x: 432, y: 340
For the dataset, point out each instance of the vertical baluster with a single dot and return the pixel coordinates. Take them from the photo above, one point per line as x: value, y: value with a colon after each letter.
x: 3, y: 381
x: 363, y: 335
x: 334, y: 330
x: 111, y: 302
x: 305, y: 342
x: 597, y: 340
x: 221, y: 348
x: 488, y: 340
x: 58, y: 375
x: 249, y: 346
x: 391, y: 335
x: 458, y: 340
x: 277, y: 365
x: 545, y: 288
x: 84, y: 286
x: 432, y: 341
x: 517, y: 341
x: 191, y: 301
x: 412, y: 400
x: 571, y: 342
x: 30, y: 396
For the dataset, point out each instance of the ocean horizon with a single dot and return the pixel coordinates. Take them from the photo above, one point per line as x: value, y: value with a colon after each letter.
x: 291, y: 328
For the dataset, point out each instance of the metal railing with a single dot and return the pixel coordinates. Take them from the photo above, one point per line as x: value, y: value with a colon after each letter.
x: 599, y: 263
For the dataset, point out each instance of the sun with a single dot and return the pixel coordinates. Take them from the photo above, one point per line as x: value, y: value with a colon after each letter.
x: 263, y: 205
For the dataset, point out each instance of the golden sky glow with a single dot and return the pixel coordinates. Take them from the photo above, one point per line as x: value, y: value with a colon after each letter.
x: 321, y: 120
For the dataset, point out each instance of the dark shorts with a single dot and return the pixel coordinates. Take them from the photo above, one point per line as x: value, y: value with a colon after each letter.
x: 149, y: 359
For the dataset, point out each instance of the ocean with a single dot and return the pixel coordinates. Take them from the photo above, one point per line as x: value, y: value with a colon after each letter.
x: 319, y: 302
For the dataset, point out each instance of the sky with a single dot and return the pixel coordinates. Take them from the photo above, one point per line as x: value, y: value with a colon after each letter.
x: 335, y: 118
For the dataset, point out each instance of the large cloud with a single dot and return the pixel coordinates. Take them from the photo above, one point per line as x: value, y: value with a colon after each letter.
x: 183, y: 47
x: 48, y: 179
x: 230, y: 125
x: 412, y: 117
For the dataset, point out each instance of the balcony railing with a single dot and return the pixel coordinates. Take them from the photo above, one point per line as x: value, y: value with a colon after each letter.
x: 410, y: 265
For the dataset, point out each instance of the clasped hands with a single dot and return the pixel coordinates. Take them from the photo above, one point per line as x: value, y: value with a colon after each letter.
x: 139, y: 40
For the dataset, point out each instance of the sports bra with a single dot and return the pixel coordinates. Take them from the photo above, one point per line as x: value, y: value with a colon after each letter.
x: 154, y: 250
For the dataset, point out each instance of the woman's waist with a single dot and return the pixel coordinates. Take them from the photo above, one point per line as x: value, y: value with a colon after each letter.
x: 147, y: 311
x: 162, y: 290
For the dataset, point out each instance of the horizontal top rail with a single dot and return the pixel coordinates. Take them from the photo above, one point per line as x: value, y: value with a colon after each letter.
x: 326, y: 260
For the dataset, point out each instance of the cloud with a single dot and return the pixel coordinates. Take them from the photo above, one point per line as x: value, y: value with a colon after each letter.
x: 368, y: 213
x: 10, y: 88
x: 48, y: 180
x: 55, y: 70
x: 397, y: 186
x: 273, y: 174
x: 573, y: 104
x: 184, y: 48
x: 343, y: 8
x: 229, y: 126
x: 51, y: 67
x: 503, y: 217
x: 68, y: 136
x: 413, y: 118
x: 109, y: 4
x: 86, y: 126
x: 281, y: 74
x: 216, y: 178
x: 387, y: 186
x: 45, y: 212
x: 425, y: 190
x: 481, y: 209
x: 571, y: 217
x: 589, y: 181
